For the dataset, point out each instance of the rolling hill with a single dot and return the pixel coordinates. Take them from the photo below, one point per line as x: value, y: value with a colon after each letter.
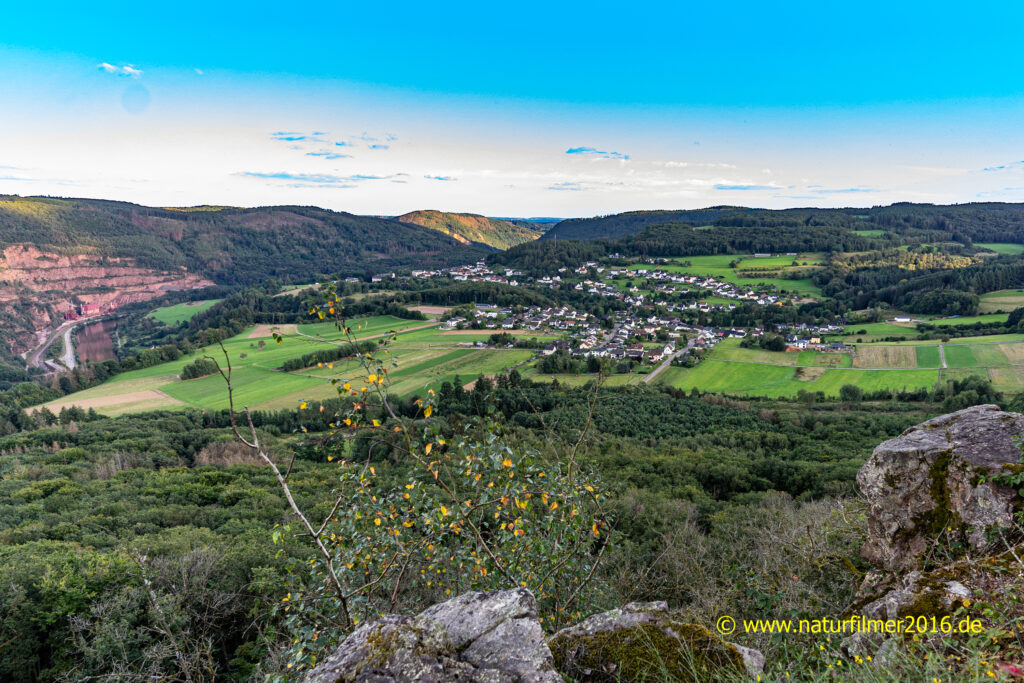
x: 470, y: 228
x: 60, y: 255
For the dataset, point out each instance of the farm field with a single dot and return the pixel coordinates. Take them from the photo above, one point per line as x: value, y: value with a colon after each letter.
x: 734, y: 370
x: 970, y: 320
x: 424, y: 358
x: 1006, y: 300
x: 178, y: 313
x: 717, y: 266
x: 928, y: 356
x: 869, y: 233
x: 871, y: 331
x: 1003, y: 247
x: 774, y: 381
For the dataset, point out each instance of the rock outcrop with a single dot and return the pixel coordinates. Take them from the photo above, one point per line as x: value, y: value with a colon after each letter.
x: 643, y: 641
x: 932, y: 506
x: 928, y: 483
x: 491, y: 637
x: 496, y: 637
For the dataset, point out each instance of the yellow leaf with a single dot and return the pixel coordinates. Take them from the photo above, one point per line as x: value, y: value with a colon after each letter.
x: 371, y: 378
x: 427, y: 411
x: 302, y: 406
x: 377, y: 521
x: 429, y: 447
x: 444, y: 511
x: 506, y: 463
x: 376, y: 423
x: 594, y: 530
x: 346, y: 386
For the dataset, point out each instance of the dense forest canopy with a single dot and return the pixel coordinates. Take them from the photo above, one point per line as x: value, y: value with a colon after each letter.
x: 229, y: 245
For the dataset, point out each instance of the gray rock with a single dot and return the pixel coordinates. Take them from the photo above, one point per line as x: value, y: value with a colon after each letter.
x: 471, y: 615
x: 644, y: 641
x: 516, y: 647
x: 394, y: 648
x: 753, y: 660
x: 477, y: 637
x: 925, y: 482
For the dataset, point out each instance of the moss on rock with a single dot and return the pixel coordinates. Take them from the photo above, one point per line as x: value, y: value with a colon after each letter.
x: 671, y: 650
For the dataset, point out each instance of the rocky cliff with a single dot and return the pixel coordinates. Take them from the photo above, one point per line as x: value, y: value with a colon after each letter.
x: 944, y: 527
x: 51, y: 284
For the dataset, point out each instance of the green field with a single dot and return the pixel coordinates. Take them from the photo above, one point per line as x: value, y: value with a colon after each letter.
x: 970, y: 320
x: 928, y: 357
x: 173, y: 315
x: 418, y: 360
x: 1003, y: 247
x: 872, y: 331
x: 775, y: 381
x: 896, y: 366
x: 717, y: 266
x: 869, y: 233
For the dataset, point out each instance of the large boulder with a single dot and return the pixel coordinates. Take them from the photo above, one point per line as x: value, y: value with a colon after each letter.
x: 477, y: 637
x: 925, y: 486
x: 646, y: 642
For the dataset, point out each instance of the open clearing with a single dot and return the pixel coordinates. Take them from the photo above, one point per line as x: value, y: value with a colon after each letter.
x: 885, y: 357
x: 431, y: 310
x: 1006, y: 300
x: 717, y: 266
x: 117, y: 404
x: 420, y: 359
x: 178, y: 313
x: 1003, y: 247
x: 264, y: 331
x: 882, y: 367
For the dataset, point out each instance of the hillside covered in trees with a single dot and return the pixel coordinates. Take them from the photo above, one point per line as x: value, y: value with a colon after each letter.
x: 230, y: 246
x: 470, y: 228
x: 980, y: 222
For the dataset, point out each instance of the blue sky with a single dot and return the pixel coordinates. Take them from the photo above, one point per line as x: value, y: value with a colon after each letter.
x: 527, y: 109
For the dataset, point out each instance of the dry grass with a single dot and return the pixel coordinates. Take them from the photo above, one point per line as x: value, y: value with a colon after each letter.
x: 431, y: 310
x: 888, y: 357
x: 263, y: 331
x: 97, y: 402
x: 808, y: 374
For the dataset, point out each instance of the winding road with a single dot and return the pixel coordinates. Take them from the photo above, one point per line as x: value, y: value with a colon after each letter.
x: 668, y: 361
x: 36, y: 357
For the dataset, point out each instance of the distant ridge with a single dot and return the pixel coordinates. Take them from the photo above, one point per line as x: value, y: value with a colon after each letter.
x: 471, y: 228
x: 1001, y: 215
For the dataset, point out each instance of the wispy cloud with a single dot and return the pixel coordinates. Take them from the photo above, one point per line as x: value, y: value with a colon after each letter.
x: 1012, y: 166
x: 122, y: 70
x: 745, y: 188
x: 694, y: 164
x: 318, y: 179
x: 446, y: 178
x: 199, y: 72
x: 845, y: 190
x: 596, y: 153
x: 378, y: 146
x: 288, y: 136
x: 566, y: 187
x: 1006, y: 191
x: 326, y: 154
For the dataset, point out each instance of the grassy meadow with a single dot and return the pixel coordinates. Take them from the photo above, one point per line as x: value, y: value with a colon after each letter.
x: 717, y: 266
x: 754, y: 372
x: 179, y: 313
x: 421, y: 358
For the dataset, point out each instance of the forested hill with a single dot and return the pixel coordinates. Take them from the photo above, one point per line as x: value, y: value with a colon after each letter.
x: 227, y: 245
x: 633, y: 222
x: 981, y: 222
x: 470, y: 228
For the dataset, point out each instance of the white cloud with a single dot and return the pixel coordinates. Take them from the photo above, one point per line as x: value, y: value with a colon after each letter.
x: 123, y: 70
